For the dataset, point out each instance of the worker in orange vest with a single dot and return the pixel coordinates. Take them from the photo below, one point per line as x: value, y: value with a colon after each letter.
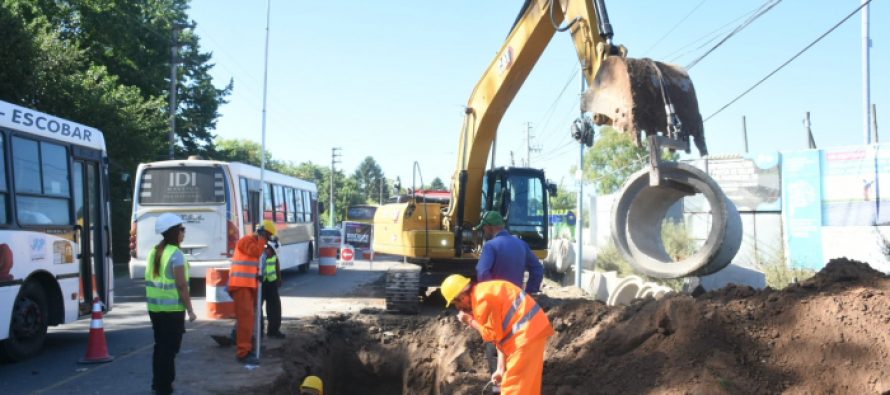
x: 505, y: 315
x: 243, y: 278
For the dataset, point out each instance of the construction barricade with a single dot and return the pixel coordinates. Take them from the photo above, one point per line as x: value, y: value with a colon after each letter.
x: 327, y: 259
x: 219, y: 303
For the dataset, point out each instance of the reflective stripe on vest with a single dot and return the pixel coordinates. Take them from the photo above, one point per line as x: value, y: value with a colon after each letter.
x: 271, y: 274
x: 243, y: 274
x: 160, y: 291
x: 519, y: 325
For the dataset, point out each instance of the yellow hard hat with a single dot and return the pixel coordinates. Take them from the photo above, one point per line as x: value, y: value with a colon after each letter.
x: 269, y: 227
x: 312, y: 383
x: 453, y: 286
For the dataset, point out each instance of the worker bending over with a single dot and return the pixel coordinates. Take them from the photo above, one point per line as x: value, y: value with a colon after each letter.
x: 506, y: 315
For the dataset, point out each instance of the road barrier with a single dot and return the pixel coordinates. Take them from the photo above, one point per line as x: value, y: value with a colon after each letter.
x: 219, y: 303
x: 97, y: 348
x: 327, y: 260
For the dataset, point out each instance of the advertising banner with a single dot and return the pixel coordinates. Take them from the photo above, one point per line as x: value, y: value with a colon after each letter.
x: 359, y: 235
x: 851, y: 191
x: 751, y: 182
x: 802, y: 208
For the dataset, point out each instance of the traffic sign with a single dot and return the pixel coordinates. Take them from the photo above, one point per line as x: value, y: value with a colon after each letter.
x: 347, y: 254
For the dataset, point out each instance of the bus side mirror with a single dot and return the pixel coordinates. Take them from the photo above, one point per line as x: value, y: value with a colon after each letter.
x: 320, y: 207
x: 551, y: 188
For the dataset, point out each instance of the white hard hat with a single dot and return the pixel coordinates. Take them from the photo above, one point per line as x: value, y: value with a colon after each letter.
x: 166, y: 221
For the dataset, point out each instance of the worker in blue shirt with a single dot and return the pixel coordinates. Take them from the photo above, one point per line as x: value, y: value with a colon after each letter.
x: 505, y: 257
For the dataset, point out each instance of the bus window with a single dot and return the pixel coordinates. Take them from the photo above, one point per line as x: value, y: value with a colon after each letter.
x: 41, y: 202
x: 267, y: 201
x: 298, y: 205
x: 194, y: 185
x: 245, y: 205
x: 280, y: 205
x: 289, y: 201
x: 4, y: 218
x: 307, y: 210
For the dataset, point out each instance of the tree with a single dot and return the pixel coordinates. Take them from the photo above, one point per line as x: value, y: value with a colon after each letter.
x: 370, y: 181
x: 437, y: 185
x: 564, y: 200
x: 104, y: 63
x: 612, y: 159
x: 244, y: 151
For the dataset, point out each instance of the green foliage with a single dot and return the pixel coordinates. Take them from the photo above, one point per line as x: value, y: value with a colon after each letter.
x: 438, y: 185
x: 564, y: 200
x: 612, y: 159
x: 105, y: 63
x: 371, y: 182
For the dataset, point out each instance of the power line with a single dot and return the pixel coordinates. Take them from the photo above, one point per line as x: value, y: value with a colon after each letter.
x: 763, y: 10
x: 790, y: 60
x: 675, y: 26
x: 713, y: 34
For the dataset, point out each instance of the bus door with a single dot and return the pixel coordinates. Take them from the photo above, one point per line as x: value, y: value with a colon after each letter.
x: 91, y: 231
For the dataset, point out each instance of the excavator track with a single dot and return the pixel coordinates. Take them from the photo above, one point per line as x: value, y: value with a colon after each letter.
x: 403, y: 289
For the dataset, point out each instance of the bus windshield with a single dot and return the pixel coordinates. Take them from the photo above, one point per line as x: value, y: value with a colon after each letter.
x: 191, y: 185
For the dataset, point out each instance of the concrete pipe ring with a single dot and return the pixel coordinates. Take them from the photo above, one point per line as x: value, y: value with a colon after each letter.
x: 625, y: 291
x: 640, y: 210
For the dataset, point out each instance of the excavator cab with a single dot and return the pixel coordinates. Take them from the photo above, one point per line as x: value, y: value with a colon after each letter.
x: 520, y: 196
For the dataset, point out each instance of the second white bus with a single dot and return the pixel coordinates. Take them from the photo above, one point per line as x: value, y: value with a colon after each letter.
x: 219, y: 203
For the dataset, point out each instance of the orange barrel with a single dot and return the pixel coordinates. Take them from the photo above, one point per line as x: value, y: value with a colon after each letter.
x: 219, y: 304
x: 327, y: 260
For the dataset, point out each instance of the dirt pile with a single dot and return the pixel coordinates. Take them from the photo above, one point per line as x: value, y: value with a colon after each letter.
x: 828, y: 334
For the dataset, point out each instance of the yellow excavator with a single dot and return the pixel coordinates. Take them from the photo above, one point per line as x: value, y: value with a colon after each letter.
x: 638, y: 96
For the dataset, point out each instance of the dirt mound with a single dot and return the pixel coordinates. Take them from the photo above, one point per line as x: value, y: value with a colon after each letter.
x: 829, y: 334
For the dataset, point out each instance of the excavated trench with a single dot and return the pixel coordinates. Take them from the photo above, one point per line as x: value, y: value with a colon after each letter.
x: 376, y: 353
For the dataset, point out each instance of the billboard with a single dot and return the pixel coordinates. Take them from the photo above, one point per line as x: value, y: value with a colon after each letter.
x: 851, y: 188
x: 751, y: 182
x: 802, y: 208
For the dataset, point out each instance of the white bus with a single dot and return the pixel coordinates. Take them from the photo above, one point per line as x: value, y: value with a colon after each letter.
x: 219, y: 203
x: 55, y: 228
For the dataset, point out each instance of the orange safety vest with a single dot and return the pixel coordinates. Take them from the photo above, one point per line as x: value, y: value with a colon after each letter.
x: 509, y: 317
x: 245, y: 263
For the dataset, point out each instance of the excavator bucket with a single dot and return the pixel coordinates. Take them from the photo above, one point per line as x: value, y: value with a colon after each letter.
x: 630, y: 95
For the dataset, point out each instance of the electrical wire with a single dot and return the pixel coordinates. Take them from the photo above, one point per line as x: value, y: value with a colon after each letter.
x: 867, y: 2
x: 770, y: 4
x: 676, y: 26
x: 713, y: 34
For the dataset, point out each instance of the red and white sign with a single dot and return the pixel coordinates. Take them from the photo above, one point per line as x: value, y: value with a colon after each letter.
x: 347, y: 254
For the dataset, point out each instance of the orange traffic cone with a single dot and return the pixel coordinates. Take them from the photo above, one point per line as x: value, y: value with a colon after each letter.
x: 97, y: 349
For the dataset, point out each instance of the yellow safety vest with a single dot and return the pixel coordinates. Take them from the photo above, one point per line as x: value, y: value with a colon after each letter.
x: 271, y: 274
x: 160, y: 291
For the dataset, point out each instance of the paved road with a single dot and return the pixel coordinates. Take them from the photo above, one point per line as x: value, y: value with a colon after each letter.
x: 129, y: 336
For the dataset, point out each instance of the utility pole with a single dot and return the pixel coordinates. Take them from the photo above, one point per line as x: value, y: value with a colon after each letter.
x: 528, y: 145
x: 874, y: 120
x: 866, y: 88
x: 811, y: 142
x: 174, y: 60
x: 335, y: 159
x: 745, y: 133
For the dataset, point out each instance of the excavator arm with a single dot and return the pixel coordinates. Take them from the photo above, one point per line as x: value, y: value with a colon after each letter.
x: 621, y: 91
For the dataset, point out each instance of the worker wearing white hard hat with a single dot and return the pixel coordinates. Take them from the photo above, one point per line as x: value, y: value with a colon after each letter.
x: 167, y: 296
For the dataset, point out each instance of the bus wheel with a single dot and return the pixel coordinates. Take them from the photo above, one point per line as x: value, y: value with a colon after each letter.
x: 305, y: 267
x: 27, y: 331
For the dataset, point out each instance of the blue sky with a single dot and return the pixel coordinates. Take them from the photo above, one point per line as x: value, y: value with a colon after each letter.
x: 389, y: 78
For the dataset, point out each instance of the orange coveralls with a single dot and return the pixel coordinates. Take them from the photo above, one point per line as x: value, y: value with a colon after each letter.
x: 518, y: 327
x: 243, y: 288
